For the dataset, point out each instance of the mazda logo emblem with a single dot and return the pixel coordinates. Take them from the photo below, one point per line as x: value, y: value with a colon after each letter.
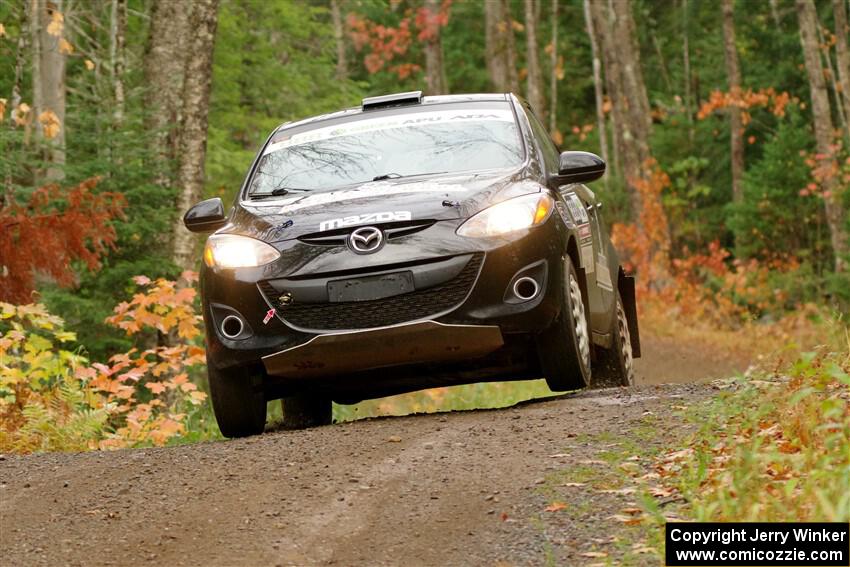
x: 366, y: 240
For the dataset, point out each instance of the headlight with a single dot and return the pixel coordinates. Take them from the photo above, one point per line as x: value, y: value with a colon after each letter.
x: 508, y: 216
x: 232, y: 251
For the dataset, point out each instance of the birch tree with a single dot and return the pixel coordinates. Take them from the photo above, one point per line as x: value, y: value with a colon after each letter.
x: 435, y: 74
x: 534, y: 78
x: 163, y: 74
x: 601, y: 125
x: 836, y: 216
x: 733, y: 74
x: 193, y: 131
x: 49, y: 48
x: 842, y: 56
x: 339, y: 38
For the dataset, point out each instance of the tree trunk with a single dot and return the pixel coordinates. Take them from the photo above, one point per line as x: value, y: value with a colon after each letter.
x: 193, y: 131
x: 495, y: 29
x: 833, y: 80
x: 733, y: 74
x: 686, y: 61
x: 163, y: 74
x: 822, y: 116
x: 15, y: 99
x: 435, y: 74
x: 553, y: 64
x: 534, y: 78
x: 842, y: 56
x: 597, y: 86
x: 339, y: 37
x: 49, y: 82
x: 118, y: 34
x: 626, y: 91
x: 510, y: 52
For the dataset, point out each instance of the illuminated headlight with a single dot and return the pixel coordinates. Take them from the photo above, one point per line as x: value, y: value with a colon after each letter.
x: 509, y: 216
x: 233, y: 251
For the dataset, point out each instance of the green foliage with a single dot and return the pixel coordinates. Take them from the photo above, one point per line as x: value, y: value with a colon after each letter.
x: 278, y: 69
x: 774, y: 219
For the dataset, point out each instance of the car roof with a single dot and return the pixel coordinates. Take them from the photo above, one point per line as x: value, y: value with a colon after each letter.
x: 427, y: 100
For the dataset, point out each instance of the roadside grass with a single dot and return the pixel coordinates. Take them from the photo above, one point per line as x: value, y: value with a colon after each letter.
x: 771, y: 447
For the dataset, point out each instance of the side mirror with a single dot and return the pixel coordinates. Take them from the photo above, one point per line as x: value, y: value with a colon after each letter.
x: 579, y: 167
x: 206, y: 216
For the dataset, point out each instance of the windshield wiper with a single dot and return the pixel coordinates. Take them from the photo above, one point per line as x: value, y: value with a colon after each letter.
x: 277, y: 192
x: 386, y: 176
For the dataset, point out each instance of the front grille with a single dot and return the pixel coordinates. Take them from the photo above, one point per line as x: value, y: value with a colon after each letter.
x: 391, y: 230
x: 411, y: 306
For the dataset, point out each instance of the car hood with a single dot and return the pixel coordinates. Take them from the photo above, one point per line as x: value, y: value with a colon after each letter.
x: 435, y: 198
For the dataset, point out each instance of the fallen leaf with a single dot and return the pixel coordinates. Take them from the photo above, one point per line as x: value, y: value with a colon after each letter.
x: 631, y: 511
x: 559, y: 455
x: 394, y: 439
x: 627, y: 520
x: 592, y: 462
x: 89, y: 64
x: 575, y: 484
x: 627, y: 490
x: 594, y: 554
x: 556, y: 506
x: 503, y: 516
x: 2, y: 30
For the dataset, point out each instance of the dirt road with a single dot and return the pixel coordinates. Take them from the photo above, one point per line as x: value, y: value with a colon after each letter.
x: 463, y: 488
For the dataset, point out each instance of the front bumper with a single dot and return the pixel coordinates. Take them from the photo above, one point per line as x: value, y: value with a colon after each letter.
x: 288, y: 344
x: 410, y: 343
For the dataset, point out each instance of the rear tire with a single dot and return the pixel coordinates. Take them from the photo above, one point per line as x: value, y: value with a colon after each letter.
x: 564, y: 348
x: 238, y: 401
x: 301, y: 412
x: 615, y: 365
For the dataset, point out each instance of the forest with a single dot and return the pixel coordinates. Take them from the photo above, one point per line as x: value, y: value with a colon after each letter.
x: 724, y: 125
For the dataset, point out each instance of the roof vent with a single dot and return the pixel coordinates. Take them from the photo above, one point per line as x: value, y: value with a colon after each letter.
x: 398, y: 99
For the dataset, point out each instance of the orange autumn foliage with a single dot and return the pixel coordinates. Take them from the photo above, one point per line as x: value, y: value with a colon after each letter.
x: 55, y: 399
x: 745, y: 100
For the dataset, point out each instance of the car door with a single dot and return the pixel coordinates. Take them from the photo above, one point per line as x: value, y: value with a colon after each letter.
x: 602, y: 273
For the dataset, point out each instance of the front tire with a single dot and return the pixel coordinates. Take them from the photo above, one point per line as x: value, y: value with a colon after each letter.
x: 564, y: 348
x: 238, y: 401
x: 615, y: 365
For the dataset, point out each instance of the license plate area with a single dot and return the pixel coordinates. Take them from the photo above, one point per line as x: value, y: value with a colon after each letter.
x: 371, y: 287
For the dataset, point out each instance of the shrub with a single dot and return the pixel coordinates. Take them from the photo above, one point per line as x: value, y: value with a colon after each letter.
x: 55, y: 399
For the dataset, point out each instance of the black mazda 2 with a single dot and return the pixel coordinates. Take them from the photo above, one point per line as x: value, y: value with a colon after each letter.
x: 409, y: 243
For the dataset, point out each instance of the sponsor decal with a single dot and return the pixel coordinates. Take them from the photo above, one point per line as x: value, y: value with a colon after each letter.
x: 370, y: 218
x: 269, y: 314
x: 577, y: 209
x: 585, y: 234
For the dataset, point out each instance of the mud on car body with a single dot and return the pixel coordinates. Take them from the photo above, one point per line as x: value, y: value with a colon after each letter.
x: 408, y: 243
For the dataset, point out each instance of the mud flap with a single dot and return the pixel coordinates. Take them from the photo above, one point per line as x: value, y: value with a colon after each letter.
x: 626, y: 286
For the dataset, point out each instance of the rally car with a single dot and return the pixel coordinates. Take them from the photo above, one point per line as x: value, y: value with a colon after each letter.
x: 408, y: 243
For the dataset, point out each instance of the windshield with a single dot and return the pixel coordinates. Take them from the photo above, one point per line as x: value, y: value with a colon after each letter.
x: 396, y: 145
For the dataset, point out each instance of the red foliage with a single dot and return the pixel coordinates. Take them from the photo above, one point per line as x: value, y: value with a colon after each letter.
x: 53, y: 229
x: 386, y: 43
